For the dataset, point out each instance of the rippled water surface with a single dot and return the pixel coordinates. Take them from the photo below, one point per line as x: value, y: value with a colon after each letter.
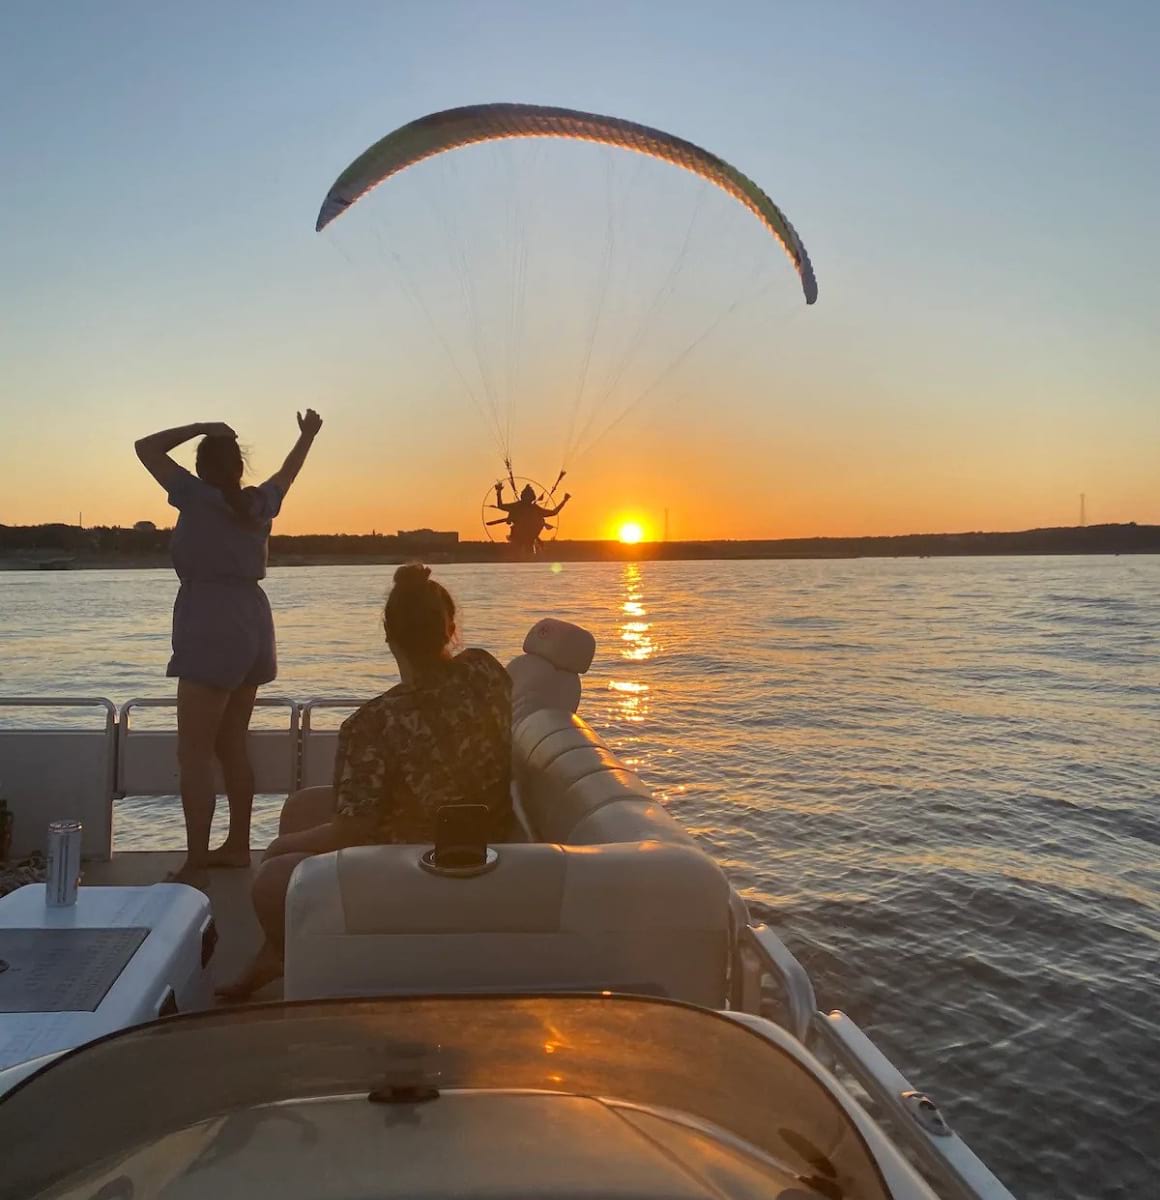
x: 937, y: 779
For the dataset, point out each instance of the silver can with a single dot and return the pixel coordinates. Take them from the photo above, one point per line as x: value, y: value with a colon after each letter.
x: 64, y: 863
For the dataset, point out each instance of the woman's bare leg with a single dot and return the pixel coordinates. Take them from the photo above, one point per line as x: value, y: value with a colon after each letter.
x: 233, y: 754
x: 303, y: 810
x: 307, y: 808
x: 199, y: 715
x: 269, y: 895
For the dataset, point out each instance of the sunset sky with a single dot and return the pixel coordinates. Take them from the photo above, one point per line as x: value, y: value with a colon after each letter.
x: 978, y: 187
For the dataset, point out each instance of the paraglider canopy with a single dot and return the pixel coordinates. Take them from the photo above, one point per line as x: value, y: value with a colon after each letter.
x: 455, y: 127
x: 620, y: 303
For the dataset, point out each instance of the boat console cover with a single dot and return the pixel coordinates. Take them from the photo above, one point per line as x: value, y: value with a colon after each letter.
x: 564, y: 1096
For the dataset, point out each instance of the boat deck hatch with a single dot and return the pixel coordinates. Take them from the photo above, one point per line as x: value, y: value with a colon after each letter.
x: 62, y: 970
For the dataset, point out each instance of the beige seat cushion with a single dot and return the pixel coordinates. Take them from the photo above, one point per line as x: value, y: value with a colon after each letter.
x: 566, y: 777
x: 633, y: 916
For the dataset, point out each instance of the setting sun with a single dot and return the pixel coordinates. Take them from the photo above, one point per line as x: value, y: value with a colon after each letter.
x: 630, y: 533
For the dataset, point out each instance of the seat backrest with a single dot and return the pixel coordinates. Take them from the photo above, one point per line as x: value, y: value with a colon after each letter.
x: 648, y: 918
x: 574, y: 790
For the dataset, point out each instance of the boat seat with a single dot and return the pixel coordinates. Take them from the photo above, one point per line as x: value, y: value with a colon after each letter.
x: 611, y: 894
x: 627, y: 821
x: 571, y: 787
x: 574, y: 790
x: 641, y: 917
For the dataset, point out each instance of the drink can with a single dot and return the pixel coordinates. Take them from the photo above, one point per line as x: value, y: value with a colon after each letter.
x: 64, y: 863
x: 5, y: 831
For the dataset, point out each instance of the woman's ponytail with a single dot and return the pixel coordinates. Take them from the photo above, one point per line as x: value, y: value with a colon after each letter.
x: 220, y: 462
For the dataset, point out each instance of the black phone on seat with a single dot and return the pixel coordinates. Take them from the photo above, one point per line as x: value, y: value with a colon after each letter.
x: 461, y: 835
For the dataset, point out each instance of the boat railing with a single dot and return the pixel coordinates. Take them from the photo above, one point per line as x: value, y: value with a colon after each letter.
x: 147, y: 758
x: 60, y: 774
x: 78, y: 773
x: 64, y: 702
x: 316, y: 760
x: 765, y: 955
x: 957, y: 1172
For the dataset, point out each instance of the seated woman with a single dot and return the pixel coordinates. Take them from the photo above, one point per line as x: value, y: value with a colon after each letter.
x: 440, y: 736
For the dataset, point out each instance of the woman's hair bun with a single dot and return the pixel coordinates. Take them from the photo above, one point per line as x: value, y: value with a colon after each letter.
x: 419, y: 617
x: 412, y: 575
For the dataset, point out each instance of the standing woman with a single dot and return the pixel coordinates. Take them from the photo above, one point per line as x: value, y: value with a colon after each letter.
x: 223, y: 631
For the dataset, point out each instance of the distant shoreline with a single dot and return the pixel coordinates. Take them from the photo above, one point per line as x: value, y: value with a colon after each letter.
x: 46, y: 548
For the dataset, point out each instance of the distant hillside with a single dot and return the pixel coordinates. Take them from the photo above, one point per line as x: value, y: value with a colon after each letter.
x: 33, y: 547
x: 1089, y: 539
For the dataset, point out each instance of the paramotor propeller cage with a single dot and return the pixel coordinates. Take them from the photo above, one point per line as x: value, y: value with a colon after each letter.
x: 496, y: 525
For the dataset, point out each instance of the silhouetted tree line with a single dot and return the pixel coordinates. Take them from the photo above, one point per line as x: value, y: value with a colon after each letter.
x: 114, y: 542
x: 1128, y: 538
x: 347, y: 544
x: 72, y: 539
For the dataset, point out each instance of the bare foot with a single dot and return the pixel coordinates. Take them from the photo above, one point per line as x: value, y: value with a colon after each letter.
x: 227, y: 856
x: 195, y: 877
x: 265, y: 968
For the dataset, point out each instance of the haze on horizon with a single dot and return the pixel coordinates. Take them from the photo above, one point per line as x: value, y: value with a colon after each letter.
x: 977, y: 189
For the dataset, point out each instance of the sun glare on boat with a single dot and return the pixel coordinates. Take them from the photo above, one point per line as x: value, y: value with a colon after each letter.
x: 630, y: 533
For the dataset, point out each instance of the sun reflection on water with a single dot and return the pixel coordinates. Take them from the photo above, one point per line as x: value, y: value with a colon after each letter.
x: 637, y: 646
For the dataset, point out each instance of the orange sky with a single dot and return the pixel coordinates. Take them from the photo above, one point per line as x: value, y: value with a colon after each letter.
x: 827, y: 471
x: 971, y: 363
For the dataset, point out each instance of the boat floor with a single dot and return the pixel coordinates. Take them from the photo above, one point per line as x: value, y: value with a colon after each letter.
x: 239, y: 935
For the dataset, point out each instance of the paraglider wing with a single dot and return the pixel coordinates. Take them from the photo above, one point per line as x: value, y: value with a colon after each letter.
x: 442, y: 131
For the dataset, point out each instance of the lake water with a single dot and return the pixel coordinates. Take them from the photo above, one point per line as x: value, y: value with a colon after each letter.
x: 936, y: 779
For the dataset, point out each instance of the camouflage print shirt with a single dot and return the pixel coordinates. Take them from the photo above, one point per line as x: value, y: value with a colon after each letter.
x: 447, y: 740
